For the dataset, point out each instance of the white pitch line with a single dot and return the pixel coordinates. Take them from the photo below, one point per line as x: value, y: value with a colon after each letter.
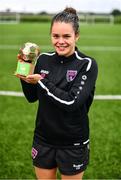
x: 107, y: 97
x: 11, y: 93
x: 43, y: 36
x: 88, y: 48
x: 96, y: 97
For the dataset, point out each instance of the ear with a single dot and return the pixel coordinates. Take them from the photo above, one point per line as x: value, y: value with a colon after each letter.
x: 77, y: 36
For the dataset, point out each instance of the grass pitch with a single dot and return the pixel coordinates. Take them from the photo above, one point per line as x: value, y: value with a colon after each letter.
x: 101, y: 41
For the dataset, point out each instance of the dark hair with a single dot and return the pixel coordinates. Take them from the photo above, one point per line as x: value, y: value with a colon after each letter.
x: 68, y: 15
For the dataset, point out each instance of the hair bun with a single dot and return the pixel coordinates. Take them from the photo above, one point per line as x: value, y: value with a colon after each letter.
x: 70, y: 10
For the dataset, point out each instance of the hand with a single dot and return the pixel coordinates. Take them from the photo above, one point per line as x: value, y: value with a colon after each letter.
x: 20, y: 57
x: 34, y: 78
x: 22, y: 77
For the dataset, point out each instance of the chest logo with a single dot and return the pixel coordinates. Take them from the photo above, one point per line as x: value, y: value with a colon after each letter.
x: 70, y: 75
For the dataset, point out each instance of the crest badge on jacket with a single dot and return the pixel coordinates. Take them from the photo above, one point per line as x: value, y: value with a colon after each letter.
x: 71, y: 74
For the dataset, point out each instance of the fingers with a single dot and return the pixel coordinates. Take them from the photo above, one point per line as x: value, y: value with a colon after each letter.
x: 20, y: 57
x: 36, y: 77
x: 20, y: 76
x: 33, y: 79
x: 23, y: 78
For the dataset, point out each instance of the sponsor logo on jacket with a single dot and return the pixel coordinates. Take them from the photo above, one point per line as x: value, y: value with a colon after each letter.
x: 44, y: 73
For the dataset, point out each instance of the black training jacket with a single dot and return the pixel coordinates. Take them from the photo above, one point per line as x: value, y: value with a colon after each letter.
x: 65, y: 95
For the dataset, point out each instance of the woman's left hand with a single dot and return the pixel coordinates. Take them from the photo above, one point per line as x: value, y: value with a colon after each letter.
x: 34, y: 78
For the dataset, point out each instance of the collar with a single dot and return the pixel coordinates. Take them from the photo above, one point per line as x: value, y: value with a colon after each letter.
x: 63, y: 59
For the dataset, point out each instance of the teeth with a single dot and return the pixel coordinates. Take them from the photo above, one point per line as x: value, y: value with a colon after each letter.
x: 62, y: 47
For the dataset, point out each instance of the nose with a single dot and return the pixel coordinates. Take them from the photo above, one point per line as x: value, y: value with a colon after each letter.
x: 61, y: 40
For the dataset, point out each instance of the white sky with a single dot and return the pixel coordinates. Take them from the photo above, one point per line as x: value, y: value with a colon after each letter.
x: 105, y: 6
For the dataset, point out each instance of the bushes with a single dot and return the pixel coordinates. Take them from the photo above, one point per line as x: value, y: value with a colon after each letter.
x: 8, y: 17
x: 117, y: 19
x: 102, y: 20
x: 31, y: 18
x: 35, y: 18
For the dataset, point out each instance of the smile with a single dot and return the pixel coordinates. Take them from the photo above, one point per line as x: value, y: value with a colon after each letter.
x: 61, y: 47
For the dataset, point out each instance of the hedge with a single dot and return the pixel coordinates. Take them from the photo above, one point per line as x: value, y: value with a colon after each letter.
x: 117, y: 19
x: 47, y: 18
x: 35, y: 18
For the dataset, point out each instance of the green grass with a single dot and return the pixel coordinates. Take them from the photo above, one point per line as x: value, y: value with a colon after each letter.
x: 16, y: 133
x: 16, y: 137
x: 105, y: 142
x: 17, y: 124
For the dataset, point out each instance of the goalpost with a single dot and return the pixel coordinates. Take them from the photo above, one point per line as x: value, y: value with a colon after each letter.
x: 9, y: 18
x: 96, y: 18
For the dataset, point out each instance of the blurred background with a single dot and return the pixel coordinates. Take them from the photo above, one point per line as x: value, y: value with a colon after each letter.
x: 100, y: 38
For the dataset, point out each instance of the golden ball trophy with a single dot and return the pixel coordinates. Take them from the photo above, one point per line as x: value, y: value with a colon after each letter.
x: 27, y: 58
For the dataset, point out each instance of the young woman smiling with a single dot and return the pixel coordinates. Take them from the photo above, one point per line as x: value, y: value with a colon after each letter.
x: 64, y: 83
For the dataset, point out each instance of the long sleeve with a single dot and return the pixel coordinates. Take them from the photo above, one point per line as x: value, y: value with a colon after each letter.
x: 30, y: 91
x: 82, y: 87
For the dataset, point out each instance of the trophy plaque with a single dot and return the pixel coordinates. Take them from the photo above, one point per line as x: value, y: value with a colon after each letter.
x: 26, y: 59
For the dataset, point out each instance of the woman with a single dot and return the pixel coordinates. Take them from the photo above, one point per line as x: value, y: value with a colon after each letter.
x: 64, y: 84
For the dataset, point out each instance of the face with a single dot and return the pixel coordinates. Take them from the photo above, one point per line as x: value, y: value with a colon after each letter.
x: 63, y: 38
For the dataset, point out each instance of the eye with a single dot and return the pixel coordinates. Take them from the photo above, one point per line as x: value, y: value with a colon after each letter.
x: 66, y: 36
x: 56, y: 36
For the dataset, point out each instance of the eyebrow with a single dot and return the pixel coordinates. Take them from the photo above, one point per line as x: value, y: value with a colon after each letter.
x: 56, y: 34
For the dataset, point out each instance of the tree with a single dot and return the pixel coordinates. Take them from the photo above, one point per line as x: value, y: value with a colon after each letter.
x: 116, y: 12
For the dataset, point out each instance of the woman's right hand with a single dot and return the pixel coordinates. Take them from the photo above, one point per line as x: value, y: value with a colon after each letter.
x: 22, y: 77
x: 32, y: 79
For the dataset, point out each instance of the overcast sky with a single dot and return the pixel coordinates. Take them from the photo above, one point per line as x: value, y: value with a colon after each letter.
x: 58, y: 5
